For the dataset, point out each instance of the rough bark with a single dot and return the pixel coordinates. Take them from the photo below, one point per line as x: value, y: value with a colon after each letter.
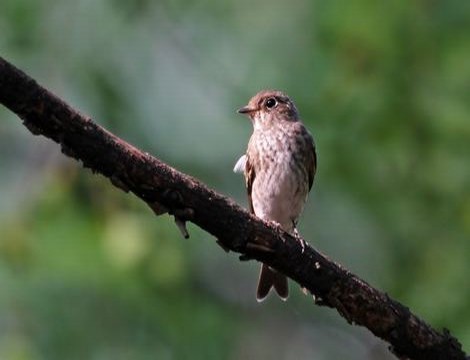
x: 158, y: 184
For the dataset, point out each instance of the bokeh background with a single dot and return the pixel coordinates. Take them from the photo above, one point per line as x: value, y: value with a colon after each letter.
x: 88, y: 272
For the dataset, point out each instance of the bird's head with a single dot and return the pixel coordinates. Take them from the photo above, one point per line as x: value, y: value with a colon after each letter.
x: 268, y: 108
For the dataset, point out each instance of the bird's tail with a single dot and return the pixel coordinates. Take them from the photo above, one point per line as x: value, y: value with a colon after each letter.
x: 269, y: 278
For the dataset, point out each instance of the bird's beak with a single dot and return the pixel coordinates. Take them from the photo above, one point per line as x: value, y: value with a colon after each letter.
x: 245, y: 110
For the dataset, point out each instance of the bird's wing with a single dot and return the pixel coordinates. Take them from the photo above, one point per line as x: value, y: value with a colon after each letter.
x: 312, y: 166
x: 249, y: 178
x: 311, y: 157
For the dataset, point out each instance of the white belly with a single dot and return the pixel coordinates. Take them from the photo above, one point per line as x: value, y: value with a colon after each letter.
x: 279, y: 195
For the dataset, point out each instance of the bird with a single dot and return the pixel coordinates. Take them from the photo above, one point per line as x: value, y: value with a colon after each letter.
x: 279, y: 167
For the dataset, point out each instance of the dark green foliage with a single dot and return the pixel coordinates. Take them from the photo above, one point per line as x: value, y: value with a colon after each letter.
x: 88, y: 272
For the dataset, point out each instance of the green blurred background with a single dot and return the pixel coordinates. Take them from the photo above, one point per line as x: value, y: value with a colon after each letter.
x: 88, y: 272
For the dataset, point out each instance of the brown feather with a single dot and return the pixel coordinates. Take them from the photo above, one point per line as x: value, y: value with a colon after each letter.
x: 312, y: 167
x: 311, y: 163
x: 249, y: 178
x: 269, y: 278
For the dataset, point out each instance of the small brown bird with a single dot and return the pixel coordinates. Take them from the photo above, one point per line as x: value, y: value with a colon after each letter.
x: 279, y: 167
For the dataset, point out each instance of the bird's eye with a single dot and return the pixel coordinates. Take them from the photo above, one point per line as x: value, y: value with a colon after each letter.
x: 270, y: 103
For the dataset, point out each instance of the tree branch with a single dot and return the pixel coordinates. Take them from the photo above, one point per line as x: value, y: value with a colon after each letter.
x: 161, y: 186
